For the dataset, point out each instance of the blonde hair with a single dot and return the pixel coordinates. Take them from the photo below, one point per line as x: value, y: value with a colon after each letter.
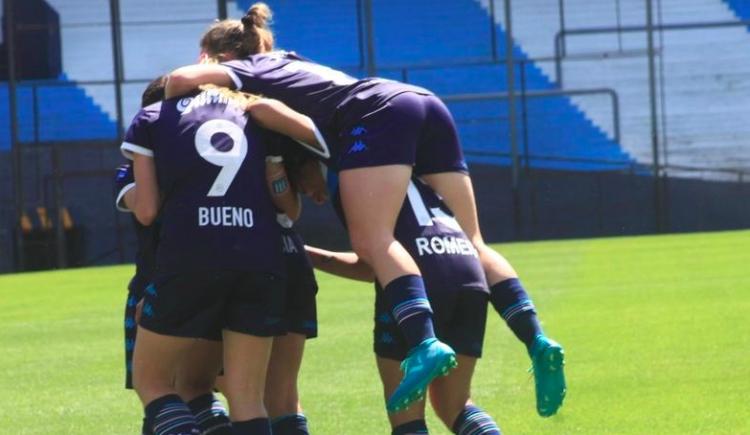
x: 243, y: 99
x: 240, y: 38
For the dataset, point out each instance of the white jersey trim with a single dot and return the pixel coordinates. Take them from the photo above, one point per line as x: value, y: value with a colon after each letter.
x: 128, y: 149
x: 235, y: 78
x: 418, y: 206
x: 120, y: 201
x: 326, y: 152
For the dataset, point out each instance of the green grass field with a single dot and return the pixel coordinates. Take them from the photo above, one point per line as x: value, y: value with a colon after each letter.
x: 656, y: 333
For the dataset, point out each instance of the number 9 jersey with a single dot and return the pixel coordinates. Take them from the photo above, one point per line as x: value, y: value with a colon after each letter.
x: 210, y: 165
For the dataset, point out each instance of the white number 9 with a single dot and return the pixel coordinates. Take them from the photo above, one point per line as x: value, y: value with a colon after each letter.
x: 229, y: 159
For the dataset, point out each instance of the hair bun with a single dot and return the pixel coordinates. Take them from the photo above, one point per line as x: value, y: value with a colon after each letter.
x: 259, y: 15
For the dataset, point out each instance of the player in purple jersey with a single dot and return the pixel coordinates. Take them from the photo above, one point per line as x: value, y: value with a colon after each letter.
x: 380, y: 132
x: 219, y: 264
x: 457, y: 291
x: 144, y: 262
x: 375, y: 161
x: 193, y: 381
x: 300, y: 314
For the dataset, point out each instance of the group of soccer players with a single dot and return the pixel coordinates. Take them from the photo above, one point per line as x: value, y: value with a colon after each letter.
x: 224, y: 293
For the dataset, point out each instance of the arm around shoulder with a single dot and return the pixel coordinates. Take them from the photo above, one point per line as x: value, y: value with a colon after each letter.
x: 187, y: 78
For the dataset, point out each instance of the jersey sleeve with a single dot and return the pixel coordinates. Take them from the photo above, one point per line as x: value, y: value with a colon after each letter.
x: 124, y: 181
x: 241, y: 73
x: 137, y: 140
x: 285, y: 149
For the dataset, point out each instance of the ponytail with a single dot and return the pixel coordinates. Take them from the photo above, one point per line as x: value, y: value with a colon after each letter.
x: 257, y: 31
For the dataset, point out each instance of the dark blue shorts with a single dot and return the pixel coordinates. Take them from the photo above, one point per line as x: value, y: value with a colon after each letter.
x: 459, y: 319
x: 300, y: 312
x: 200, y: 304
x: 134, y: 295
x: 409, y: 129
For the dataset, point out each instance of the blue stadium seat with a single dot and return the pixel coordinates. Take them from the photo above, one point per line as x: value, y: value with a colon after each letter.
x: 741, y: 8
x: 328, y: 31
x: 453, y: 32
x: 63, y: 112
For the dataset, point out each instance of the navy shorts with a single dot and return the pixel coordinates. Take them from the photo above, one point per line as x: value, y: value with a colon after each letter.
x: 131, y: 327
x: 409, y: 129
x: 200, y: 304
x: 459, y: 318
x: 300, y: 312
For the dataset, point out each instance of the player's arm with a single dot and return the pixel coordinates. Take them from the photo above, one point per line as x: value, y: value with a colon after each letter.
x: 283, y: 196
x: 277, y: 116
x: 187, y: 78
x: 145, y: 200
x: 344, y: 264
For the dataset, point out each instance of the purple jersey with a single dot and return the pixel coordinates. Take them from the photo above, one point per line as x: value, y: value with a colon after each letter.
x: 210, y: 163
x: 432, y: 236
x: 429, y: 232
x: 330, y: 97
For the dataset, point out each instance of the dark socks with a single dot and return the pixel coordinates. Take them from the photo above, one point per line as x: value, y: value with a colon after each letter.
x: 211, y: 415
x: 256, y: 426
x: 515, y: 307
x: 145, y: 429
x: 293, y: 424
x: 474, y: 421
x: 407, y: 298
x: 169, y: 415
x: 414, y: 427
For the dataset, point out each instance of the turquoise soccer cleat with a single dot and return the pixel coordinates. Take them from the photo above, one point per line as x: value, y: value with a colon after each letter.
x: 430, y: 359
x: 548, y: 359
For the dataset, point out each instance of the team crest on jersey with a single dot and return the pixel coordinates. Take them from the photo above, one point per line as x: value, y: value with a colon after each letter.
x: 211, y: 96
x: 184, y: 103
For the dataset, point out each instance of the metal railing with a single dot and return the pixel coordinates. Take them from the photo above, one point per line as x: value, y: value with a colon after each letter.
x: 611, y: 93
x: 561, y: 52
x: 36, y: 85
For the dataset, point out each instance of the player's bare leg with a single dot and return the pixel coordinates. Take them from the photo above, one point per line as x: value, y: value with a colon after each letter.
x: 282, y: 396
x: 506, y: 293
x: 390, y: 375
x: 450, y: 397
x: 372, y: 198
x: 155, y: 361
x: 198, y: 374
x: 245, y: 362
x: 195, y: 381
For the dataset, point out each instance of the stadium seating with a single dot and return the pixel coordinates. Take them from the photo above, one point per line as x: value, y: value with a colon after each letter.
x: 701, y: 96
x: 455, y: 35
x: 454, y: 32
x: 741, y: 8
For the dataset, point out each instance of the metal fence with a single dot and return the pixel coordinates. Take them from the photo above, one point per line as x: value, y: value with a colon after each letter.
x: 35, y: 172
